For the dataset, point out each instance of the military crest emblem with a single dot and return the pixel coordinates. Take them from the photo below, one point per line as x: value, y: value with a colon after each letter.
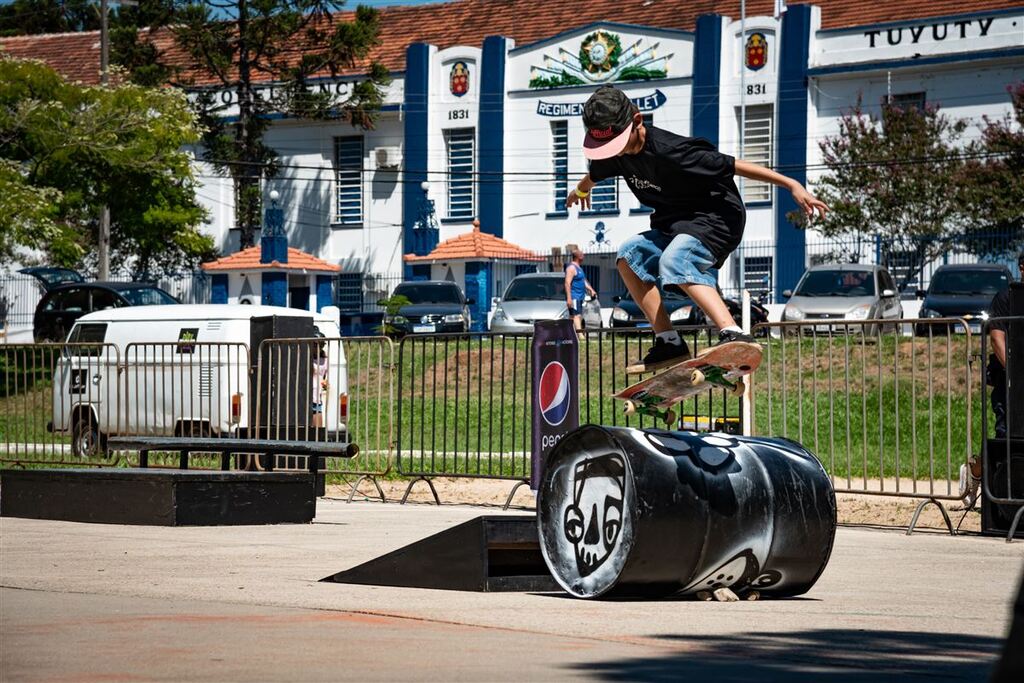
x: 756, y: 51
x: 458, y: 79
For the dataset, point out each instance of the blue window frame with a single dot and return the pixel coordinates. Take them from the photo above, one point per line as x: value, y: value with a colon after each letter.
x: 348, y: 291
x: 460, y: 143
x: 604, y: 198
x: 560, y: 161
x: 348, y: 173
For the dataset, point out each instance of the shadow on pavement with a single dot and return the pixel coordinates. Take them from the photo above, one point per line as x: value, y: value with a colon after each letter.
x: 846, y: 655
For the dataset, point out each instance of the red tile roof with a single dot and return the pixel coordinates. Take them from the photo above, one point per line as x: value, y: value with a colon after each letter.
x: 249, y: 259
x: 475, y: 246
x: 468, y: 22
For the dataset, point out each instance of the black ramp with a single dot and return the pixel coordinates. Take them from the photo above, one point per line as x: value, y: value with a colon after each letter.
x: 488, y: 553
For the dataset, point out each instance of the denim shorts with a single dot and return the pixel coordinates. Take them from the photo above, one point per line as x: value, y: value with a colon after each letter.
x: 676, y: 259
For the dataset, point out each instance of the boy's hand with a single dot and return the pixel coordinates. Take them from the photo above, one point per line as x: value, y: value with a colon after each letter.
x: 807, y: 202
x: 573, y: 198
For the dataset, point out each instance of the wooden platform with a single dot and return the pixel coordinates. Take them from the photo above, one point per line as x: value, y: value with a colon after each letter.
x: 158, y: 497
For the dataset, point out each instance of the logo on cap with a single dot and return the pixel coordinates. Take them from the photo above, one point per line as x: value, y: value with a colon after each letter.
x: 602, y: 133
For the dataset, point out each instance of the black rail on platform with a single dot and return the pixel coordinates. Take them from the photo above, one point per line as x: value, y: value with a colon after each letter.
x: 185, y: 446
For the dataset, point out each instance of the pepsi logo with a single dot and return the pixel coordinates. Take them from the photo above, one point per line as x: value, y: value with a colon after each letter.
x: 554, y: 392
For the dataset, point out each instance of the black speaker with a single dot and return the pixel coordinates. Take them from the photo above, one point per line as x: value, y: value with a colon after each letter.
x: 1015, y: 363
x: 283, y: 389
x: 1005, y: 477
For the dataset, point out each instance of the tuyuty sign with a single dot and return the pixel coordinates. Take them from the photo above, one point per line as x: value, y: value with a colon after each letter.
x: 937, y: 32
x: 563, y: 109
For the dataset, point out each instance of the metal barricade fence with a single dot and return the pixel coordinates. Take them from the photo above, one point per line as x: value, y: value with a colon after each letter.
x: 58, y: 403
x: 1003, y: 470
x: 887, y: 414
x: 464, y: 400
x: 185, y: 388
x: 328, y: 389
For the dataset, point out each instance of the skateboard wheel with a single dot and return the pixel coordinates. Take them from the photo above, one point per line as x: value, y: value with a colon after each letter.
x: 738, y: 388
x: 696, y: 377
x: 629, y: 408
x: 670, y: 418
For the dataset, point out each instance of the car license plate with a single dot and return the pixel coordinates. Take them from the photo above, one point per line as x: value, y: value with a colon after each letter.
x: 974, y: 327
x: 424, y: 328
x: 643, y: 324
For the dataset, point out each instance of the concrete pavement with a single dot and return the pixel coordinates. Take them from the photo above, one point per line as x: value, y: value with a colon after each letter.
x: 98, y: 602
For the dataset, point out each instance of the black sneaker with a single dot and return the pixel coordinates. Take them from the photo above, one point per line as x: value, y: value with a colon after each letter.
x: 661, y: 355
x: 726, y: 336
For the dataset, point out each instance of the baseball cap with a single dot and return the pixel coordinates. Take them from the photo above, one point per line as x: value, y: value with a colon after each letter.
x: 608, y: 118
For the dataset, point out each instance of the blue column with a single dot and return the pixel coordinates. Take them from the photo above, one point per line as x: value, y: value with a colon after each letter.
x: 219, y: 289
x: 707, y: 67
x: 275, y: 289
x: 324, y: 292
x: 478, y: 287
x: 417, y: 90
x: 791, y: 143
x: 491, y: 135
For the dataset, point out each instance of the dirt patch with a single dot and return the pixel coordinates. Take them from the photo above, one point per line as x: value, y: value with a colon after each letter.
x: 853, y: 509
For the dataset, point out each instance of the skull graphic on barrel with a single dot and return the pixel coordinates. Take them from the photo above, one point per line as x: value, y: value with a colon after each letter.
x: 625, y: 511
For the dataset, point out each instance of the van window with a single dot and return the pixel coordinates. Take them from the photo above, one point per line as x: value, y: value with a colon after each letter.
x: 74, y: 300
x: 86, y: 333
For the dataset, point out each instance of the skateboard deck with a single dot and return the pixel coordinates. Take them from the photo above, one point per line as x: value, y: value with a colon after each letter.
x: 724, y: 366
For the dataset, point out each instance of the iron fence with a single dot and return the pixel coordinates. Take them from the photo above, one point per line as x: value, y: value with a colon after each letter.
x: 1002, y: 462
x: 58, y: 403
x: 464, y: 401
x: 886, y: 414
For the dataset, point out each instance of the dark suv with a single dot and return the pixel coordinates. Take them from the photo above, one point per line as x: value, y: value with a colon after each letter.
x: 434, y: 306
x: 62, y: 305
x: 962, y: 291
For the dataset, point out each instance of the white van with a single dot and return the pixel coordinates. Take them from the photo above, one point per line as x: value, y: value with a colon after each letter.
x: 189, y: 370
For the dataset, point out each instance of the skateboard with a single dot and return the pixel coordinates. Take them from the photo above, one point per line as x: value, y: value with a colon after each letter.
x: 723, y: 366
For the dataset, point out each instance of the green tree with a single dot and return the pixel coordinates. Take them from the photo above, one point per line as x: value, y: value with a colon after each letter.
x: 992, y: 184
x: 66, y: 150
x: 903, y: 177
x: 29, y: 17
x: 237, y: 46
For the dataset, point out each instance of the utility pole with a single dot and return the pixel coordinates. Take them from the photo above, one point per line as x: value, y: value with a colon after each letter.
x: 103, y: 243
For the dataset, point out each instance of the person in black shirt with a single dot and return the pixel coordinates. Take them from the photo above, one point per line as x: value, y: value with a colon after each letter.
x: 970, y: 475
x: 698, y: 214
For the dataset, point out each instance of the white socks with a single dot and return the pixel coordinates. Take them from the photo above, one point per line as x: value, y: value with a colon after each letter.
x: 732, y: 328
x: 670, y: 337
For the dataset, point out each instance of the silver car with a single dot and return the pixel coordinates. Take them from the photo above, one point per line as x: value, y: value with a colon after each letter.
x: 537, y: 296
x: 847, y: 293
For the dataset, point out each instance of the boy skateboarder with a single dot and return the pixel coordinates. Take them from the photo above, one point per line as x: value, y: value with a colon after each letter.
x: 698, y: 214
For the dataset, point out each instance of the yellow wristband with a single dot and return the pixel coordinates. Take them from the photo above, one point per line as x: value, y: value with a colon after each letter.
x: 580, y: 193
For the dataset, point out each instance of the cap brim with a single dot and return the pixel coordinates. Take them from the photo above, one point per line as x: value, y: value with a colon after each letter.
x: 605, y: 149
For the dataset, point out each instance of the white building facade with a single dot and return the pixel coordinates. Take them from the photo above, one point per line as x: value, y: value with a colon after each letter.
x: 495, y: 130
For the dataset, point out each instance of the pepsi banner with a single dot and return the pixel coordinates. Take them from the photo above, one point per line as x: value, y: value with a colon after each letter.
x: 556, y: 396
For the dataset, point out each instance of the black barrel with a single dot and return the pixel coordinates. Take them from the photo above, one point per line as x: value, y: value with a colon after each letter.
x: 650, y: 512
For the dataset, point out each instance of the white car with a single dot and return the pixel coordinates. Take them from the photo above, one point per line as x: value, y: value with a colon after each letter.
x: 537, y: 296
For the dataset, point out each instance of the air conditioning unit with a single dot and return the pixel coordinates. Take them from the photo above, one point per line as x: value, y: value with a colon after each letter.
x: 388, y: 158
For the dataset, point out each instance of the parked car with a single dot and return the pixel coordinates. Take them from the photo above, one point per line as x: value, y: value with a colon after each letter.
x: 51, y: 276
x: 537, y: 296
x: 434, y: 306
x: 847, y: 292
x: 62, y: 305
x: 962, y: 291
x: 681, y: 310
x: 165, y: 386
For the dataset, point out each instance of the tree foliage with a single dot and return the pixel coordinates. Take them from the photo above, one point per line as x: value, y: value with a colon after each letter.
x: 243, y: 44
x: 66, y: 150
x: 917, y: 182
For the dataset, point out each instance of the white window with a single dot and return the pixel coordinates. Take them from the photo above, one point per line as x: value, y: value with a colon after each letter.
x: 560, y: 161
x: 460, y: 144
x: 757, y: 148
x: 348, y: 174
x: 757, y: 273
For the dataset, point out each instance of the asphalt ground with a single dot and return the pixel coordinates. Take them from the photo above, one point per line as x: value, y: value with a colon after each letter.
x: 84, y: 602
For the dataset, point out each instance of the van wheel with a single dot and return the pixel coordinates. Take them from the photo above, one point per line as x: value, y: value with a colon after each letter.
x: 86, y: 440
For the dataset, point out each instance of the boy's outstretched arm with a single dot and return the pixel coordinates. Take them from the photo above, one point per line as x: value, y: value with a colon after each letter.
x: 581, y: 194
x: 807, y: 202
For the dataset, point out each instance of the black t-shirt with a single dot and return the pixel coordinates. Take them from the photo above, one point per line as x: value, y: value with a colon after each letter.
x: 688, y: 183
x: 1000, y: 308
